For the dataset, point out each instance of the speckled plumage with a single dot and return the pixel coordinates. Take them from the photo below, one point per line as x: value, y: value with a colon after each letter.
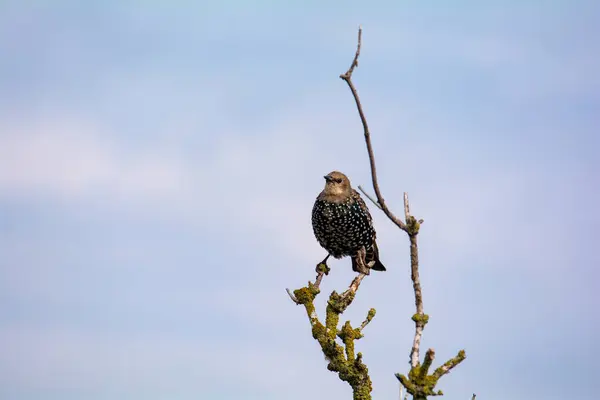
x: 343, y: 225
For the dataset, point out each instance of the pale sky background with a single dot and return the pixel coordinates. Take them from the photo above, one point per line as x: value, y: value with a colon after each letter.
x: 159, y: 161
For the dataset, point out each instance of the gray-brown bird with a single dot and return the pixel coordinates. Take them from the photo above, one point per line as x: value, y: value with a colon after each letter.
x: 343, y: 225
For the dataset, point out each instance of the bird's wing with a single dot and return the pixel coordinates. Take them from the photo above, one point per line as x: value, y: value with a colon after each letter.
x: 363, y: 206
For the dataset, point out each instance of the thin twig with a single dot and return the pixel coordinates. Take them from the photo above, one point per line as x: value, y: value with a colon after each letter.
x: 420, y: 386
x: 369, y: 197
x: 369, y: 318
x: 448, y: 365
x: 364, y: 324
x: 294, y: 299
x: 348, y: 74
x: 348, y: 78
x: 419, y: 322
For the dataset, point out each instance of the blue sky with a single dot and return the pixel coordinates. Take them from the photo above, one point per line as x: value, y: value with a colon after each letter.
x: 158, y: 165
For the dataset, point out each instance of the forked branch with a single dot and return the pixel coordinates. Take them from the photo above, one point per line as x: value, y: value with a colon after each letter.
x: 419, y: 382
x: 341, y: 357
x: 347, y: 76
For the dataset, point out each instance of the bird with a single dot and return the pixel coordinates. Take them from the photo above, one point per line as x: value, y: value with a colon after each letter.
x: 343, y: 225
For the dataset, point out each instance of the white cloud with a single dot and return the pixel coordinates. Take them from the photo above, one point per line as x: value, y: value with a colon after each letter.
x: 72, y: 159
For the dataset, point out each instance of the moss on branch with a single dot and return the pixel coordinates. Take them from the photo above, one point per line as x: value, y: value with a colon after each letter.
x: 420, y: 383
x: 412, y: 226
x: 341, y: 357
x: 421, y: 318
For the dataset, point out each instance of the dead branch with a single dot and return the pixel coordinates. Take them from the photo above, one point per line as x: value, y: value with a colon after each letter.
x: 348, y: 78
x: 419, y: 383
x: 342, y: 358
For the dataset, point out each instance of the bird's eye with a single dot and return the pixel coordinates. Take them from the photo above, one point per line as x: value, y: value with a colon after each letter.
x: 338, y: 180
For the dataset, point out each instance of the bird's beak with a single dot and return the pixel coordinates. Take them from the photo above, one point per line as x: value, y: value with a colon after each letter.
x: 327, y: 178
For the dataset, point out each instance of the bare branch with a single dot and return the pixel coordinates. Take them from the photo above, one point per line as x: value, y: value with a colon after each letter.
x: 348, y: 78
x: 448, y: 365
x: 354, y: 64
x: 369, y: 197
x: 420, y: 317
x: 294, y: 299
x: 354, y: 285
x: 419, y: 383
x: 369, y: 318
x: 318, y: 279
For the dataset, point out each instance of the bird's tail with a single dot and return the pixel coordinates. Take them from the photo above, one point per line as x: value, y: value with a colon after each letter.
x: 371, y: 259
x: 373, y: 256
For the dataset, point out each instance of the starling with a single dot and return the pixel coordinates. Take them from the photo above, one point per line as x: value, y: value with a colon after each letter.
x: 343, y: 226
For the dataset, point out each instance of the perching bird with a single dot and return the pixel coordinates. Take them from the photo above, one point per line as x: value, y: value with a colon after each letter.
x: 343, y: 226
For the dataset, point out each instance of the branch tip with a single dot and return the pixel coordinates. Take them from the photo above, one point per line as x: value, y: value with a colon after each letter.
x: 370, y: 316
x: 406, y: 207
x: 294, y: 299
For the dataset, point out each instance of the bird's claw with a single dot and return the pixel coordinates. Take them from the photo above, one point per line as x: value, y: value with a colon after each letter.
x: 363, y: 270
x: 322, y: 268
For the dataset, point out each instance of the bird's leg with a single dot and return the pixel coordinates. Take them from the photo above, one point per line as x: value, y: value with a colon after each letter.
x: 322, y: 267
x: 359, y: 262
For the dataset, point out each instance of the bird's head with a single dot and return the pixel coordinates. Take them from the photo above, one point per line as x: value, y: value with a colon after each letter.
x: 337, y: 186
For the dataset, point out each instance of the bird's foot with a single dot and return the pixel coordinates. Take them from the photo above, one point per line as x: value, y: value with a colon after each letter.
x: 362, y: 269
x: 359, y: 263
x: 322, y: 267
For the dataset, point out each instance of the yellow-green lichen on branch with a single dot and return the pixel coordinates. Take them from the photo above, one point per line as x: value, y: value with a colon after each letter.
x: 323, y: 268
x: 421, y: 318
x: 412, y: 226
x: 338, y: 303
x: 451, y: 363
x: 348, y: 335
x: 341, y: 357
x: 331, y: 321
x: 420, y: 383
x: 371, y: 315
x: 306, y: 294
x: 318, y: 330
